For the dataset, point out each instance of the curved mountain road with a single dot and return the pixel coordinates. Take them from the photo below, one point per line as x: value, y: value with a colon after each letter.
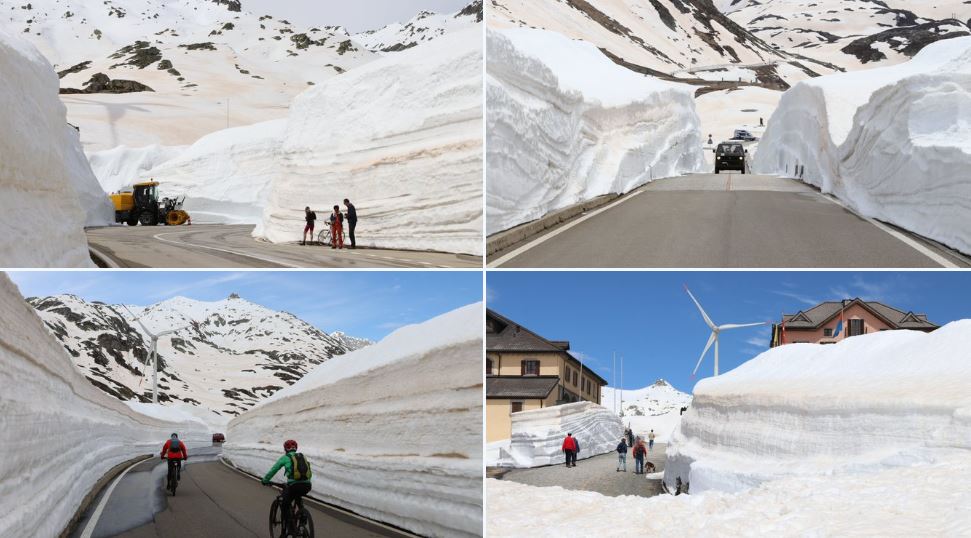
x: 231, y: 246
x: 725, y: 220
x: 212, y: 500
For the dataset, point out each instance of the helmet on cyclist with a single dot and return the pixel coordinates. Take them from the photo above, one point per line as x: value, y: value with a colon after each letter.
x: 175, y: 435
x: 289, y: 445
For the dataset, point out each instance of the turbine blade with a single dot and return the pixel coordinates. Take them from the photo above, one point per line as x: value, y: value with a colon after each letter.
x: 711, y: 340
x: 710, y: 323
x: 737, y: 325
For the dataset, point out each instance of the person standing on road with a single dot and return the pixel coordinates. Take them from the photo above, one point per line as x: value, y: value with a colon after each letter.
x: 310, y: 217
x: 639, y: 452
x: 351, y: 221
x: 650, y: 441
x: 570, y: 450
x: 622, y: 455
x: 337, y: 228
x: 298, y: 473
x: 175, y: 452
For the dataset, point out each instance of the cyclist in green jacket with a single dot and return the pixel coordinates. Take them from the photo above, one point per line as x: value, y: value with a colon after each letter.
x: 298, y: 484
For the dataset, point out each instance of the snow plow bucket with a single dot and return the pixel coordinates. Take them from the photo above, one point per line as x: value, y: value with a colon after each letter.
x: 176, y: 218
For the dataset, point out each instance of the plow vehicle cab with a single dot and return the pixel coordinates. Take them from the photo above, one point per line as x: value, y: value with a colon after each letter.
x: 142, y: 205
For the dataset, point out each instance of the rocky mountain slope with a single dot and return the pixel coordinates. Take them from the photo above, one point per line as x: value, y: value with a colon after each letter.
x: 424, y: 27
x: 226, y: 356
x: 655, y: 407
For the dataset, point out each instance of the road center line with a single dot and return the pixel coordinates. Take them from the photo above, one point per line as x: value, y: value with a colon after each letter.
x: 93, y: 522
x: 539, y: 240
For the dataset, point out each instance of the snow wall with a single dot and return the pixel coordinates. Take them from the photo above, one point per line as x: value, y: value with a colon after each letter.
x: 894, y: 143
x: 566, y: 124
x: 401, y: 137
x: 393, y: 430
x: 119, y: 168
x: 59, y: 433
x: 537, y: 434
x: 47, y: 190
x: 871, y: 402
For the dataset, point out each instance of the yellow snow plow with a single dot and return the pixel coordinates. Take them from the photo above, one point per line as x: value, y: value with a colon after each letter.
x: 142, y: 205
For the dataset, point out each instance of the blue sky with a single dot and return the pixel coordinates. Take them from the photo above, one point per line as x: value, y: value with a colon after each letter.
x: 356, y: 15
x: 648, y: 318
x: 367, y: 304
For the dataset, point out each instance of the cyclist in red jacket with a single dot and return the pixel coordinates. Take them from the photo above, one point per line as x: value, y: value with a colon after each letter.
x: 175, y: 451
x: 570, y: 450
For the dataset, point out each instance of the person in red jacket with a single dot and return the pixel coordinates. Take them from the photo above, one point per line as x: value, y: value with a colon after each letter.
x: 570, y: 449
x: 175, y: 451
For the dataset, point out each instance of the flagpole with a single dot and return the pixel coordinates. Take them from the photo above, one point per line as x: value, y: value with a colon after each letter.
x: 613, y: 374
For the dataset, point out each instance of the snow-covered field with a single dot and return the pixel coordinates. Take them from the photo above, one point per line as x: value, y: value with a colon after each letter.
x: 47, y: 190
x: 867, y: 437
x: 60, y: 434
x: 655, y: 407
x: 537, y: 434
x: 894, y: 143
x: 393, y: 431
x: 400, y: 137
x: 565, y: 124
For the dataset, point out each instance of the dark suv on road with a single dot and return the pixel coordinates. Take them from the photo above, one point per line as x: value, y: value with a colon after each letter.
x: 730, y: 156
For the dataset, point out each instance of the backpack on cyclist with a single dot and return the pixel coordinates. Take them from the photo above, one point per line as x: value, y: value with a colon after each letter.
x: 301, y: 467
x: 175, y: 445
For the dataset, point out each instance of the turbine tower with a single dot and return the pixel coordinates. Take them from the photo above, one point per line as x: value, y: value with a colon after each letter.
x: 715, y: 329
x: 154, y: 356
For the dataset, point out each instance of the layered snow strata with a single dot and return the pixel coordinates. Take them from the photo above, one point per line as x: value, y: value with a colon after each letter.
x: 894, y: 143
x: 60, y: 434
x: 393, y: 430
x: 566, y: 124
x: 537, y: 434
x: 47, y: 190
x: 119, y: 168
x: 871, y: 402
x: 401, y: 137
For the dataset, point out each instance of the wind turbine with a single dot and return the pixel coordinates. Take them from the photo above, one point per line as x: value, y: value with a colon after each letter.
x: 715, y: 329
x: 154, y: 337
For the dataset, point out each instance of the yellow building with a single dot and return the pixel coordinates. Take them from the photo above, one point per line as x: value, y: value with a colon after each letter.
x: 526, y: 371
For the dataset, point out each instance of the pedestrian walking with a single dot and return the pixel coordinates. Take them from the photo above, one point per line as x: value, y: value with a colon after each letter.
x: 570, y: 450
x: 310, y: 217
x: 650, y: 440
x: 639, y: 452
x: 577, y: 453
x: 622, y: 455
x: 351, y: 221
x: 337, y: 228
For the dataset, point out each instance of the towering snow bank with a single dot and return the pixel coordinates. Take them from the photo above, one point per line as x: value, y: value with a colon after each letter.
x: 537, y: 434
x: 121, y: 167
x: 893, y: 142
x: 888, y: 399
x: 655, y: 407
x: 400, y: 137
x: 566, y: 124
x: 47, y: 190
x: 59, y: 433
x: 393, y: 430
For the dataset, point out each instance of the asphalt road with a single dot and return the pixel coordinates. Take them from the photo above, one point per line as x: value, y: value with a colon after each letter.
x: 724, y: 220
x: 230, y: 245
x: 212, y: 501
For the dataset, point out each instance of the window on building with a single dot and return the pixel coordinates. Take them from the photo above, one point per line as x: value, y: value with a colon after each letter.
x: 856, y: 327
x: 569, y: 375
x: 488, y: 366
x: 575, y: 382
x: 515, y: 407
x: 530, y: 367
x: 828, y: 332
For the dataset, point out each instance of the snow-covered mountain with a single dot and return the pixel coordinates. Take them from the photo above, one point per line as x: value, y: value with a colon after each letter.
x: 424, y: 27
x: 655, y: 407
x: 227, y: 356
x: 167, y: 72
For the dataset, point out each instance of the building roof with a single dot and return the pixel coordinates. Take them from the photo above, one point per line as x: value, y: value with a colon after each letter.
x: 520, y: 387
x: 823, y: 313
x: 505, y: 335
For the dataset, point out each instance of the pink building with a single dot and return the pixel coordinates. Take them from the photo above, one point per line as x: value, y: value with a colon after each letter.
x: 832, y: 321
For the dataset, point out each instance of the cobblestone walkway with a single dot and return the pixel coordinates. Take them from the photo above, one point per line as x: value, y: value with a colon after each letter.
x: 598, y: 473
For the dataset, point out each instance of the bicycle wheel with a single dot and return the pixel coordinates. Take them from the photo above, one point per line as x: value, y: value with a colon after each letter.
x: 276, y: 523
x: 306, y: 524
